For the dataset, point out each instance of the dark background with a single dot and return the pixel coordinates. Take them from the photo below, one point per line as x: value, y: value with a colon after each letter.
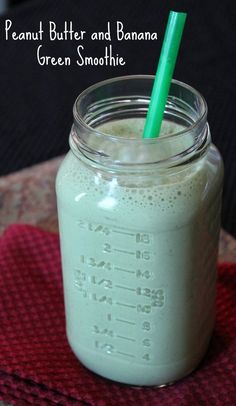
x: 36, y: 101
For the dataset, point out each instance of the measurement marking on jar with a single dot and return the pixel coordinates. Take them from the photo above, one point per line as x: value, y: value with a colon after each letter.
x: 126, y: 322
x: 125, y: 287
x: 117, y: 268
x: 125, y: 354
x: 123, y: 232
x: 127, y: 338
x: 126, y: 305
x: 124, y: 251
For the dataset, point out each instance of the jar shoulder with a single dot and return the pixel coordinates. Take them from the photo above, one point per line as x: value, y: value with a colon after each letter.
x: 74, y: 174
x: 68, y: 174
x: 215, y: 167
x: 181, y: 196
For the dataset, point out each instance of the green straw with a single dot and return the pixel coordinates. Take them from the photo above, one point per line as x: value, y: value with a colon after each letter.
x: 164, y: 74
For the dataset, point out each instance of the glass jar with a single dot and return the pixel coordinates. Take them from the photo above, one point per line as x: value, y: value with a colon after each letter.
x: 139, y: 223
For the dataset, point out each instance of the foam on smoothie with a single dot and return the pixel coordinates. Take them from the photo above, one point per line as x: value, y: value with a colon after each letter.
x: 133, y: 128
x: 172, y: 193
x: 121, y: 136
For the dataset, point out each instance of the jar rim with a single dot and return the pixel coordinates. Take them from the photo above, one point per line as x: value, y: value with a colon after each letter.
x: 78, y: 117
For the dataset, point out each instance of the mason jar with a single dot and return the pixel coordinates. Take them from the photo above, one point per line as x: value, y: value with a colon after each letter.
x: 139, y: 223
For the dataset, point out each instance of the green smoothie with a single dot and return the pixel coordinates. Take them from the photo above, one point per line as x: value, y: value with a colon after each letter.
x: 139, y: 260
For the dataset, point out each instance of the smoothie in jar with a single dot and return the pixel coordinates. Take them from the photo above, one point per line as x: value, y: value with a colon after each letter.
x: 139, y: 228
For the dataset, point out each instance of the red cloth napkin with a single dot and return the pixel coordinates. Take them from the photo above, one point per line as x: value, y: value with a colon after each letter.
x: 37, y: 366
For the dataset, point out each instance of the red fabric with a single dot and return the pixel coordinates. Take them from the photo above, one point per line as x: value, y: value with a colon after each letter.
x: 37, y: 366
